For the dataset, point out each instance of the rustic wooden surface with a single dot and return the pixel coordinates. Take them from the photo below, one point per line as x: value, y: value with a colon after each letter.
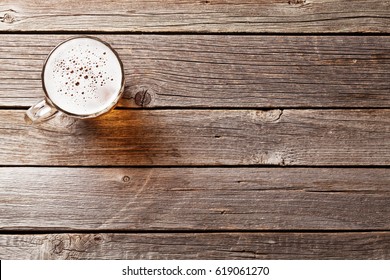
x: 342, y: 245
x: 201, y: 137
x: 222, y: 71
x: 248, y: 130
x: 195, y: 199
x: 305, y: 16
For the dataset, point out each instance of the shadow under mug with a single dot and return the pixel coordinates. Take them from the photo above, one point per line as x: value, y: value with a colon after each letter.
x: 82, y: 77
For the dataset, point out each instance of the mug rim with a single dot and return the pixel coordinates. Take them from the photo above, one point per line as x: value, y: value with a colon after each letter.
x: 105, y: 110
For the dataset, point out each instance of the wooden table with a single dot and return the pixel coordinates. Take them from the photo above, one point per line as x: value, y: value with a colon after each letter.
x: 248, y: 129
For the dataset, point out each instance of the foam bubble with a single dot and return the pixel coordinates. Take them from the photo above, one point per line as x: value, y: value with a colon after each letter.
x: 83, y: 76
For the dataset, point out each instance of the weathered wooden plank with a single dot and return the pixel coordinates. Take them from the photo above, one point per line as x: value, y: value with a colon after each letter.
x: 222, y: 71
x: 365, y: 245
x: 196, y: 16
x: 194, y: 199
x: 200, y: 137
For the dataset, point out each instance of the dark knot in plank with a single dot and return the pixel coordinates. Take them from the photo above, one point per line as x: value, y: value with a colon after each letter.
x: 8, y: 18
x: 296, y: 2
x: 142, y: 98
x: 125, y: 179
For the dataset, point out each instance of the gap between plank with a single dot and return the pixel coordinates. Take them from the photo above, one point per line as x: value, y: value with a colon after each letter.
x: 194, y: 33
x: 91, y: 231
x: 263, y: 166
x: 220, y: 108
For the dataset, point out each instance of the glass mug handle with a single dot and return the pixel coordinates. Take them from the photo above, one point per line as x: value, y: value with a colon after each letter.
x: 40, y: 112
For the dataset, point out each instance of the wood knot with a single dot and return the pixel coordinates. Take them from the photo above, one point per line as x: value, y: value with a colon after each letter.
x: 97, y: 238
x: 142, y: 98
x: 264, y: 157
x: 296, y: 2
x: 8, y: 18
x: 125, y: 179
x: 266, y: 116
x: 58, y: 246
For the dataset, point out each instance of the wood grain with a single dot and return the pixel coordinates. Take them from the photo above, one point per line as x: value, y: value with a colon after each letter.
x: 200, y: 137
x: 222, y: 71
x: 178, y: 183
x: 366, y: 245
x: 196, y: 16
x: 42, y: 199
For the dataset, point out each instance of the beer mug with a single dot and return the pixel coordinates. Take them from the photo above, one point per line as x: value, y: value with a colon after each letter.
x: 82, y: 77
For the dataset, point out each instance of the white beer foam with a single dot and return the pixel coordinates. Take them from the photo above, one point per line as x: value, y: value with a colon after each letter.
x: 83, y: 76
